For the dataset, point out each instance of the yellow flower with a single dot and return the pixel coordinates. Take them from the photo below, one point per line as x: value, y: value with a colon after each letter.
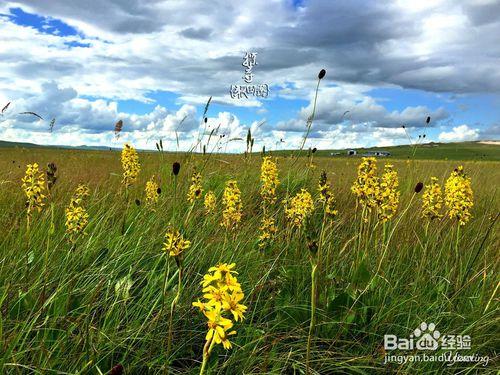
x: 222, y: 270
x: 81, y: 192
x: 222, y: 296
x: 432, y: 200
x: 218, y: 327
x: 387, y: 194
x: 267, y: 231
x: 201, y: 305
x: 175, y: 244
x: 366, y: 185
x: 299, y: 208
x: 77, y: 217
x: 210, y: 202
x: 34, y: 188
x: 269, y: 180
x: 459, y: 196
x: 130, y: 164
x: 326, y: 196
x: 231, y: 200
x: 231, y: 302
x: 152, y: 191
x: 214, y: 295
x: 195, y: 190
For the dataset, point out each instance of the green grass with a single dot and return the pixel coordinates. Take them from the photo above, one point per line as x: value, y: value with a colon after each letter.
x: 60, y: 312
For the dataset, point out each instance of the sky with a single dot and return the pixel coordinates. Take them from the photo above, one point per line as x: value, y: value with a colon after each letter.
x: 154, y: 64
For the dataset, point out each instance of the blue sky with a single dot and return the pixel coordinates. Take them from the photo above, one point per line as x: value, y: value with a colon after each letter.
x: 154, y: 65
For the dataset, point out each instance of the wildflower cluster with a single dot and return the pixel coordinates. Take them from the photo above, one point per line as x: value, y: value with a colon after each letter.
x: 222, y: 294
x: 34, y: 188
x: 195, y: 189
x: 269, y: 180
x: 268, y: 230
x: 175, y: 244
x: 77, y: 217
x: 387, y: 194
x: 130, y: 164
x: 458, y: 196
x: 326, y: 197
x: 152, y: 191
x: 366, y: 185
x: 210, y: 202
x: 432, y: 200
x: 299, y: 208
x: 231, y: 199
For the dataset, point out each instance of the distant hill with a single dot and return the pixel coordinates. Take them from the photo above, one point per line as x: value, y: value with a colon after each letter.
x: 5, y: 144
x: 480, y: 150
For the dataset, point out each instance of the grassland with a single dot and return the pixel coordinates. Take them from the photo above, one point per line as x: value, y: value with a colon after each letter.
x: 434, y: 151
x: 61, y: 312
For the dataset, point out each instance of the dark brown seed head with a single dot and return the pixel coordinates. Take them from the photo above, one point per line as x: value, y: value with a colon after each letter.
x: 322, y: 178
x: 313, y: 247
x: 418, y: 187
x: 314, y: 150
x: 158, y: 191
x: 322, y: 73
x: 404, y: 127
x: 137, y: 202
x: 116, y: 370
x: 51, y: 175
x: 428, y: 119
x: 176, y: 167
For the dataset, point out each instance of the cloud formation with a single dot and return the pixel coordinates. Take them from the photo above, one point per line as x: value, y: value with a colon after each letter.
x: 129, y: 49
x: 459, y: 134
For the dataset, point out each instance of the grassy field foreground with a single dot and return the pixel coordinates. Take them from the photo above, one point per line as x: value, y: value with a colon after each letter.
x: 89, y: 306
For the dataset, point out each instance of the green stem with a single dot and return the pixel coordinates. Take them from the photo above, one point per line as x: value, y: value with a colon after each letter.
x: 172, y: 308
x: 313, y: 315
x: 207, y: 349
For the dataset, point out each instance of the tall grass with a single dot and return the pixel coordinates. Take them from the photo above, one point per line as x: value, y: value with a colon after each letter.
x: 65, y: 314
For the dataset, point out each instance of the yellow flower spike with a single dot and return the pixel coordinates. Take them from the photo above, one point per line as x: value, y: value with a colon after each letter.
x: 175, y: 244
x: 387, y: 194
x: 34, y: 188
x: 299, y: 208
x: 268, y: 230
x: 459, y: 196
x: 77, y: 217
x: 432, y: 200
x: 210, y: 202
x: 366, y: 186
x: 130, y: 165
x: 222, y: 295
x: 231, y: 216
x: 269, y: 180
x: 152, y: 191
x: 195, y: 190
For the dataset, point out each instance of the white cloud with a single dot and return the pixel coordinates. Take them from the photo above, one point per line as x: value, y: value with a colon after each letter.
x: 459, y: 134
x: 139, y: 47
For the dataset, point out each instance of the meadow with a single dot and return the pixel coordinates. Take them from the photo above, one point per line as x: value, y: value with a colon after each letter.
x: 103, y: 300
